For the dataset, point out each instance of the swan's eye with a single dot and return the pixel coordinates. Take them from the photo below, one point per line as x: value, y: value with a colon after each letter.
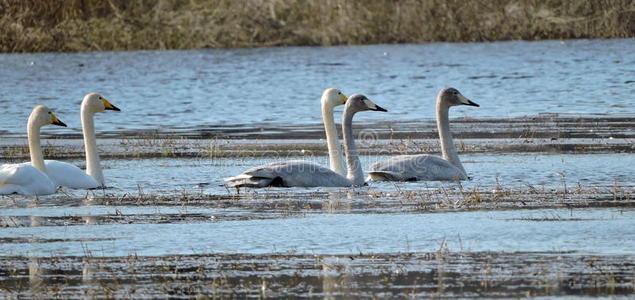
x: 99, y: 97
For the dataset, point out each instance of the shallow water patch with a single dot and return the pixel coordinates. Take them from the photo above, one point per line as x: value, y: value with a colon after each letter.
x: 608, y: 231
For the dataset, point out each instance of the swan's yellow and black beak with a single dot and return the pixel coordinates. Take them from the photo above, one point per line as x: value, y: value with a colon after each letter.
x: 343, y: 97
x: 56, y: 121
x: 467, y: 101
x: 109, y: 105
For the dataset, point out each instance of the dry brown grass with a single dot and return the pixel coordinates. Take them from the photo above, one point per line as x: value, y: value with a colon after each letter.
x: 85, y: 25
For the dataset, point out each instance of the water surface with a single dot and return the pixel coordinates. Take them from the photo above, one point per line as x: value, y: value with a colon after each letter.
x: 181, y: 89
x: 598, y: 231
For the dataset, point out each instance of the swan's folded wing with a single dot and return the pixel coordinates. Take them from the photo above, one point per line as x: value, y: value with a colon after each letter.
x: 414, y: 167
x: 288, y: 174
x: 24, y: 179
x: 9, y: 174
x: 68, y: 175
x: 396, y: 168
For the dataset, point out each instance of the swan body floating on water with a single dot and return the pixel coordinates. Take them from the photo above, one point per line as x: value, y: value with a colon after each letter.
x: 428, y: 167
x: 68, y: 175
x: 331, y: 98
x: 305, y: 174
x: 31, y: 178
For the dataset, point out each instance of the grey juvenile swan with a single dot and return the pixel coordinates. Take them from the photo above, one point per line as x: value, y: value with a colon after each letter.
x: 298, y: 173
x: 428, y: 167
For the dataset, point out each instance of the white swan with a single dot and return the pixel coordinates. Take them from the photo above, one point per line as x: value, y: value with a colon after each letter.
x: 305, y: 174
x: 30, y: 178
x: 331, y: 98
x: 428, y: 167
x: 65, y: 174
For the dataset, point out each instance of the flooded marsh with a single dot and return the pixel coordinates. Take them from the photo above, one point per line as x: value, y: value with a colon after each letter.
x: 549, y: 211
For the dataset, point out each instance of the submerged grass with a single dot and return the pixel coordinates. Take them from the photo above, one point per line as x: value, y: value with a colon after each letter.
x: 539, y: 134
x: 88, y: 25
x: 273, y: 203
x: 179, y: 147
x: 440, y: 274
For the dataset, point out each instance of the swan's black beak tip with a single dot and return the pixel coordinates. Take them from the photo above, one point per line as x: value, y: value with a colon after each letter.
x: 59, y: 123
x: 470, y: 103
x: 379, y: 108
x: 112, y: 107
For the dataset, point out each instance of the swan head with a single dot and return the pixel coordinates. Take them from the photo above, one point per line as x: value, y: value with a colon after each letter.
x: 95, y: 103
x: 452, y: 97
x: 333, y: 97
x: 359, y: 102
x: 42, y: 115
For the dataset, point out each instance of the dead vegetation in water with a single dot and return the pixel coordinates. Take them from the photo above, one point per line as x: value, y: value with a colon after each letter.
x: 478, y: 198
x: 36, y: 26
x: 179, y: 147
x: 274, y: 203
x: 539, y: 134
x: 443, y: 273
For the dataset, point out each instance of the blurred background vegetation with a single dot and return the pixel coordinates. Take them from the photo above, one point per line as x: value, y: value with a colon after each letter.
x: 86, y: 25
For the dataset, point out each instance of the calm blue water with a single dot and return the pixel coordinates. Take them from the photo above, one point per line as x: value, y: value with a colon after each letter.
x: 599, y: 231
x: 166, y: 89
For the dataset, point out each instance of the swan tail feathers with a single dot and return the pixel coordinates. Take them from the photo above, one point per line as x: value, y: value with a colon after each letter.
x: 8, y: 189
x: 244, y: 180
x: 385, y: 176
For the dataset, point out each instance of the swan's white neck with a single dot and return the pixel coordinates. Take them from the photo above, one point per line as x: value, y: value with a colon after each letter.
x: 35, y: 149
x: 447, y: 143
x: 355, y: 173
x: 332, y: 140
x: 93, y: 166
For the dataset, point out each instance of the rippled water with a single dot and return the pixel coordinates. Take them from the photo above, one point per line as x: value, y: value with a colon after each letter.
x: 600, y: 231
x: 167, y: 89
